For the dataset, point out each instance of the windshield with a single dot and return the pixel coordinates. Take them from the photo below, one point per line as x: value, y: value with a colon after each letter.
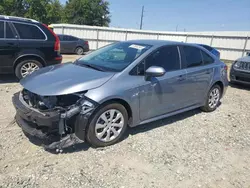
x: 114, y: 57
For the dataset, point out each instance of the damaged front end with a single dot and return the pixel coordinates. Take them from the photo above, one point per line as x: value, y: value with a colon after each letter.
x: 59, y: 121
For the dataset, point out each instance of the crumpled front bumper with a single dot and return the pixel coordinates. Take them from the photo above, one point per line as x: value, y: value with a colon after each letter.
x: 33, y: 122
x: 50, y: 126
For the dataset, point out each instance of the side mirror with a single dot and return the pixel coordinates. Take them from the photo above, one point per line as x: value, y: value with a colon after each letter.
x: 248, y: 53
x: 155, y: 71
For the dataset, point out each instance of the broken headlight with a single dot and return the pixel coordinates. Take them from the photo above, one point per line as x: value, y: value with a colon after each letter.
x: 87, y: 105
x: 237, y: 64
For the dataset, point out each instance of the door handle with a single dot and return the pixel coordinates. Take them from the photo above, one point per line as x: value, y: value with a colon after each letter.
x: 181, y: 78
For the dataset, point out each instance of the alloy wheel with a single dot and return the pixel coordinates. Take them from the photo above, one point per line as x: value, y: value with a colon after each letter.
x: 28, y: 68
x: 214, y: 98
x: 109, y: 125
x: 79, y: 51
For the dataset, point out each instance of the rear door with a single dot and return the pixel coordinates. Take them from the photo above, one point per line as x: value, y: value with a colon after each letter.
x: 8, y: 47
x: 70, y: 43
x: 199, y: 73
x: 161, y: 95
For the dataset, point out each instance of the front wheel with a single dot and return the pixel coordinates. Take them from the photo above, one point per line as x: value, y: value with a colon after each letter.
x: 213, y: 99
x: 108, y: 125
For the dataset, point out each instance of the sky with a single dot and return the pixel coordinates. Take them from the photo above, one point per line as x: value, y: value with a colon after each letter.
x: 188, y: 15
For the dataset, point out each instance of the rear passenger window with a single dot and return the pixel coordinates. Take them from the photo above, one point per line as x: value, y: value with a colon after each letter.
x: 207, y: 59
x: 71, y: 38
x: 27, y: 31
x: 166, y: 57
x: 60, y: 37
x: 66, y: 38
x: 1, y: 29
x: 193, y: 56
x: 9, y: 33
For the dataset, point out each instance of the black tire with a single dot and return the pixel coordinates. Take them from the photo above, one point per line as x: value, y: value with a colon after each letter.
x: 207, y: 107
x: 22, y: 63
x: 79, y: 51
x: 90, y: 133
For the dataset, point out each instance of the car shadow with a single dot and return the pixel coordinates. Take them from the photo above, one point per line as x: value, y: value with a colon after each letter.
x: 131, y: 131
x: 159, y: 123
x: 4, y: 79
x: 240, y: 86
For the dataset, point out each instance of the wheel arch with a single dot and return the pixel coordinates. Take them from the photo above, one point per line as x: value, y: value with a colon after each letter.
x: 123, y: 103
x: 78, y: 46
x: 28, y: 56
x: 220, y: 84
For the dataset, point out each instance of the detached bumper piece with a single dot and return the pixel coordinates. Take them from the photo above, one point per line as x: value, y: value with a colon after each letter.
x: 57, y: 129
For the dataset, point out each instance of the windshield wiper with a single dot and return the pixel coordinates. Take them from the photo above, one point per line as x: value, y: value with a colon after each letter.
x: 91, y: 66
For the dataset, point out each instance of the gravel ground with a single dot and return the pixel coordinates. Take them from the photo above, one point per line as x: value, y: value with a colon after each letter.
x: 193, y: 149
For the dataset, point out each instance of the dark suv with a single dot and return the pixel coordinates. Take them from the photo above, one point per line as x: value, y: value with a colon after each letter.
x: 26, y: 45
x: 240, y: 70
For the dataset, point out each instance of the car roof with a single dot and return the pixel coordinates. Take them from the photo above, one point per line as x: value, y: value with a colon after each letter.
x: 19, y: 19
x: 153, y: 42
x: 161, y: 42
x: 66, y: 35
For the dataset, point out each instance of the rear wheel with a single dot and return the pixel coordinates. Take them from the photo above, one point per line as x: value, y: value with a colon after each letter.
x: 213, y: 99
x: 108, y: 125
x: 27, y: 67
x: 79, y: 51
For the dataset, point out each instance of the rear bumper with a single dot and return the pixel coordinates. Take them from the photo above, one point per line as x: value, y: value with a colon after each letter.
x: 56, y: 60
x: 239, y: 77
x: 86, y: 48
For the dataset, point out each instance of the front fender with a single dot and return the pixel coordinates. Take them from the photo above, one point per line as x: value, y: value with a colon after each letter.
x: 131, y: 97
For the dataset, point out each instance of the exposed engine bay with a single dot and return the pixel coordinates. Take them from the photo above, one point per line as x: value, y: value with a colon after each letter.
x: 64, y: 117
x: 50, y: 102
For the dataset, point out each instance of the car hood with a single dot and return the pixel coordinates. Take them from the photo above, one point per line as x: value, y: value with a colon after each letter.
x: 244, y: 59
x: 64, y: 79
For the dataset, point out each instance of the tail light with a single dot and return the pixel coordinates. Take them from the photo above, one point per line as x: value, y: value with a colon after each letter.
x: 87, y: 42
x: 57, y: 42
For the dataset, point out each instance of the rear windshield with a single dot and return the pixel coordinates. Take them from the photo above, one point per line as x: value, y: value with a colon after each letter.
x: 114, y: 57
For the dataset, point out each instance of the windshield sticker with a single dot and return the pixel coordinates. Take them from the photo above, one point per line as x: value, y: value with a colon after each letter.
x: 138, y: 47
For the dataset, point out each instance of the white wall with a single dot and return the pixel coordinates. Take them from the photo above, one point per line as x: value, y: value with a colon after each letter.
x: 232, y: 45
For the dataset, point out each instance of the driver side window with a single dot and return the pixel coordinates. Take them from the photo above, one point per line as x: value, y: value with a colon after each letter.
x: 166, y: 57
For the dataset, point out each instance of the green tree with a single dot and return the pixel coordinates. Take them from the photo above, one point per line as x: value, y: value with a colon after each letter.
x: 36, y: 9
x: 88, y: 12
x: 46, y: 11
x: 54, y: 12
x: 13, y: 7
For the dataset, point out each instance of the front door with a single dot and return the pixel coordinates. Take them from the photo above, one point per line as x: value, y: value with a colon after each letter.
x: 8, y: 47
x: 161, y: 95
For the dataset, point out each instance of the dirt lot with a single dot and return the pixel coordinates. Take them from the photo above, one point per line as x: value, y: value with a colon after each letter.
x: 194, y: 149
